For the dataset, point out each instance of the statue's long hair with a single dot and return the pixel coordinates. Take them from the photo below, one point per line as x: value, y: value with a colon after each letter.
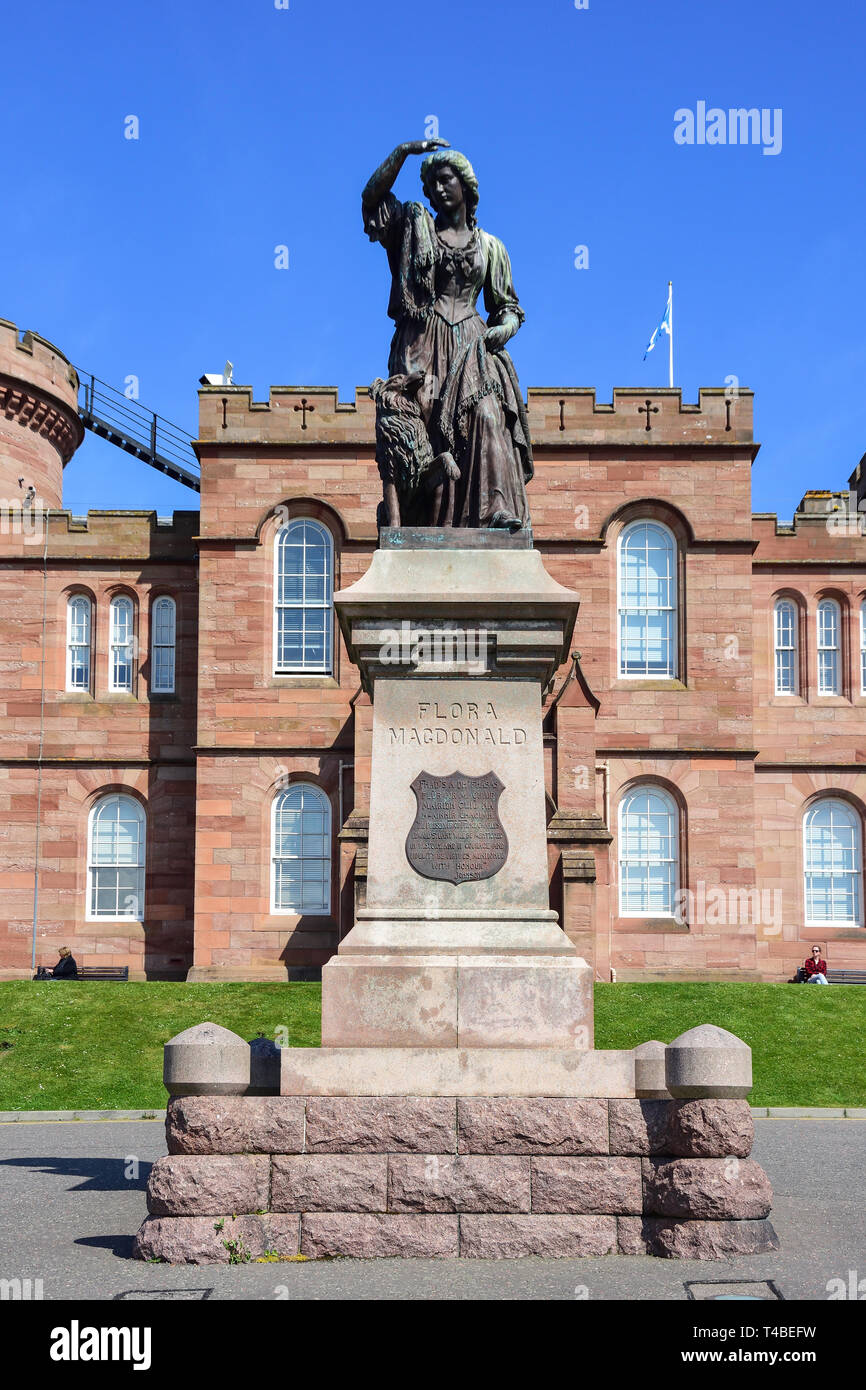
x: 464, y: 171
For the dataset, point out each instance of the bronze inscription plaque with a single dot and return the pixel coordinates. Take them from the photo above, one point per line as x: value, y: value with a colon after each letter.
x: 457, y: 834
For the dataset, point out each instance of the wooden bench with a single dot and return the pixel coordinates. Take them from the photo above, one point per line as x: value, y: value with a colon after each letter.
x: 102, y: 972
x: 94, y: 972
x: 846, y: 977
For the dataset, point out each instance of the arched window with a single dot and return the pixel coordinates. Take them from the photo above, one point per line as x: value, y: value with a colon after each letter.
x: 863, y: 648
x: 785, y: 628
x: 648, y: 853
x: 121, y: 635
x: 162, y: 646
x: 78, y: 625
x: 829, y: 637
x: 115, y: 865
x: 647, y: 600
x: 301, y: 853
x: 303, y: 593
x: 832, y: 860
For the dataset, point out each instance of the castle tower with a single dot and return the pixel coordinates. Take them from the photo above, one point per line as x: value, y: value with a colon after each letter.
x: 39, y: 425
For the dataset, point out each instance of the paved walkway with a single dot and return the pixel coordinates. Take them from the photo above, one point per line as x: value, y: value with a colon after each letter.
x: 73, y: 1198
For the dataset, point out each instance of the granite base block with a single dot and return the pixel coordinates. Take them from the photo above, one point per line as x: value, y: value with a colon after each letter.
x: 682, y: 1128
x: 532, y: 1125
x: 551, y: 1237
x: 381, y: 1124
x: 587, y: 1186
x: 734, y: 1189
x: 235, y: 1124
x: 459, y: 1184
x: 694, y: 1240
x: 208, y: 1184
x: 209, y: 1240
x: 367, y: 1236
x: 329, y: 1182
x: 496, y: 1177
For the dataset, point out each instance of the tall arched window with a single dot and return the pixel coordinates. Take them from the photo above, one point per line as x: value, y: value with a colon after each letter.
x: 78, y: 626
x: 832, y: 860
x: 162, y: 645
x: 121, y: 643
x: 648, y: 853
x: 303, y: 594
x: 647, y: 600
x: 785, y: 629
x: 829, y: 654
x: 301, y: 851
x: 115, y: 861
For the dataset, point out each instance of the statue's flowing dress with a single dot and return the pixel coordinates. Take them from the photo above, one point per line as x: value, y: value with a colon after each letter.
x: 471, y: 398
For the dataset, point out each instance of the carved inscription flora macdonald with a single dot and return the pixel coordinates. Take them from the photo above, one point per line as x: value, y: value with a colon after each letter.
x: 457, y: 835
x: 460, y: 723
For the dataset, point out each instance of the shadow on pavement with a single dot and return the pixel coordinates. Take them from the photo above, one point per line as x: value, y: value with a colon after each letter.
x: 121, y: 1246
x: 98, y: 1174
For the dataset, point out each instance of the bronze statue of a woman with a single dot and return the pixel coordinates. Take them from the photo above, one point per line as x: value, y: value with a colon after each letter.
x: 451, y: 367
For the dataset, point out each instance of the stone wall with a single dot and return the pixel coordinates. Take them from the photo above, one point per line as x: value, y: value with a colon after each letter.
x: 741, y: 763
x: 491, y: 1178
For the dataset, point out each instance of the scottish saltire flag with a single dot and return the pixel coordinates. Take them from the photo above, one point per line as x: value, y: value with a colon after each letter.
x: 664, y: 326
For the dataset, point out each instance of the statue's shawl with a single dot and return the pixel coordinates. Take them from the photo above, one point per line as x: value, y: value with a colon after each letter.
x: 407, y: 232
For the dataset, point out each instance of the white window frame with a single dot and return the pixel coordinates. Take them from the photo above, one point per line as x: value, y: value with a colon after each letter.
x: 834, y: 648
x: 166, y: 649
x: 117, y: 644
x: 671, y: 609
x: 317, y: 798
x: 851, y: 818
x: 115, y: 801
x: 782, y: 646
x: 863, y: 648
x: 305, y: 668
x: 74, y: 602
x: 648, y: 790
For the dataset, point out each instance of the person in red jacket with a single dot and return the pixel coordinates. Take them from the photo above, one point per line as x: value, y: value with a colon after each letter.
x: 813, y: 971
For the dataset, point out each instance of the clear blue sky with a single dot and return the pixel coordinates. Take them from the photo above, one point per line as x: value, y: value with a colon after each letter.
x: 260, y: 126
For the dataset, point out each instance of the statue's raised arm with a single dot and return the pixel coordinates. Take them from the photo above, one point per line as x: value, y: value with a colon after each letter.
x: 382, y: 180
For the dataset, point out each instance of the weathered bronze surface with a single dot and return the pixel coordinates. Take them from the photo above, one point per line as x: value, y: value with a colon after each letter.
x: 452, y: 436
x: 457, y: 835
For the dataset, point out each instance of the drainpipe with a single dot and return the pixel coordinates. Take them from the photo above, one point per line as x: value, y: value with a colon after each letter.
x: 41, y: 748
x: 605, y: 768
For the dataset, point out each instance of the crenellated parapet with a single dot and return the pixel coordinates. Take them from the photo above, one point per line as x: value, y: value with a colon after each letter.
x: 558, y: 416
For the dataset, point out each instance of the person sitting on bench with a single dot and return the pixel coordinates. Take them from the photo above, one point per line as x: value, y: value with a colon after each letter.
x: 813, y: 971
x: 66, y: 968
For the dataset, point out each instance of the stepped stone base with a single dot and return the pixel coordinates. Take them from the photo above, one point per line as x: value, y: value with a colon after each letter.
x: 447, y: 1176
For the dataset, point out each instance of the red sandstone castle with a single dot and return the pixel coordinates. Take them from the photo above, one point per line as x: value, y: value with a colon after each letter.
x: 185, y: 755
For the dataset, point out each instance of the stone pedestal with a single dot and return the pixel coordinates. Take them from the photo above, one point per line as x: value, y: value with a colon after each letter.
x: 457, y: 1107
x: 456, y: 946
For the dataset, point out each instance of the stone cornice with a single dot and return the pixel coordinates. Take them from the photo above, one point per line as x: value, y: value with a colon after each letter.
x: 576, y: 829
x: 38, y: 410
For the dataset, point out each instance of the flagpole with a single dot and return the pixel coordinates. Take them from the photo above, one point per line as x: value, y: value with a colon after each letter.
x: 671, y: 332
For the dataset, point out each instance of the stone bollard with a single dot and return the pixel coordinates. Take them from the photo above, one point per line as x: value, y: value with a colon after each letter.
x: 708, y: 1062
x: 649, y: 1071
x: 206, y: 1060
x: 264, y: 1067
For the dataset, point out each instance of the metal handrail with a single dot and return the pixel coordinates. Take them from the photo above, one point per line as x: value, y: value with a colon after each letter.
x: 122, y: 421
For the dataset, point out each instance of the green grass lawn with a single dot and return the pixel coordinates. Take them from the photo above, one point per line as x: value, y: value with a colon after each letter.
x: 807, y: 1041
x: 99, y: 1046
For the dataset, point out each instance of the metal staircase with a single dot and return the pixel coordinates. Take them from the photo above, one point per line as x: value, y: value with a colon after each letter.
x: 141, y: 432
